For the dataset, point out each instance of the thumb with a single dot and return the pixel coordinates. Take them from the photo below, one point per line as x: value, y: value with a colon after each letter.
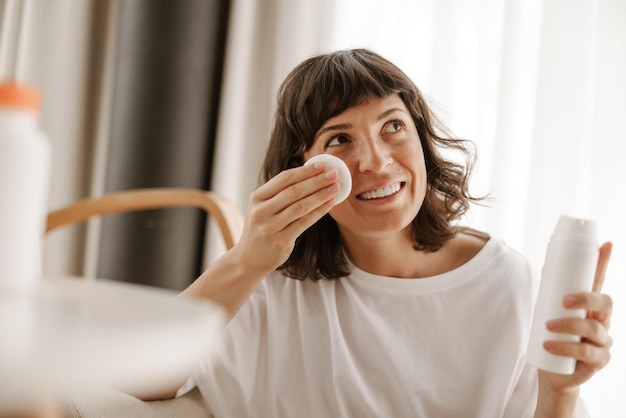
x: 603, y: 262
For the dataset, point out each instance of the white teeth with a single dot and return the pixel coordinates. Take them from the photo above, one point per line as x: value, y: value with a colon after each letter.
x: 382, y: 192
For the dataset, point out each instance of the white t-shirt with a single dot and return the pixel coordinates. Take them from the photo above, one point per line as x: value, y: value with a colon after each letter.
x: 451, y: 345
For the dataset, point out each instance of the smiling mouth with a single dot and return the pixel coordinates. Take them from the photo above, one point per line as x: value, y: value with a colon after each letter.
x: 382, y: 192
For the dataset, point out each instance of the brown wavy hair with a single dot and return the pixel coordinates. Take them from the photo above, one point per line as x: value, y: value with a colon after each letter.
x: 324, y: 86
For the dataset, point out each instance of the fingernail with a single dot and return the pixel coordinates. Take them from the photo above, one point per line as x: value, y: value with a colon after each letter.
x: 569, y: 300
x: 331, y: 174
x: 333, y: 187
x: 552, y: 324
x: 318, y: 165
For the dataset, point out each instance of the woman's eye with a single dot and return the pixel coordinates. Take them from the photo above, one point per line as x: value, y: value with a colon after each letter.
x: 394, y: 126
x: 336, y: 140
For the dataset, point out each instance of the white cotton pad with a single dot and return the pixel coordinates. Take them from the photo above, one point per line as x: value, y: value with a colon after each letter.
x: 345, y: 179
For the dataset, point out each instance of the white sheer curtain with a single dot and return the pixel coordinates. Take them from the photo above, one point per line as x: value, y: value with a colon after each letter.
x: 538, y: 85
x: 66, y: 61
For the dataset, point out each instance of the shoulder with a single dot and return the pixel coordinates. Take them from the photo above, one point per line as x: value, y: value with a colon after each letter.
x: 472, y: 242
x: 280, y: 288
x: 494, y: 256
x: 509, y: 267
x: 468, y: 243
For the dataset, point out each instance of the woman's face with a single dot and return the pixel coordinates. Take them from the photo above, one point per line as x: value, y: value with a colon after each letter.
x: 378, y: 141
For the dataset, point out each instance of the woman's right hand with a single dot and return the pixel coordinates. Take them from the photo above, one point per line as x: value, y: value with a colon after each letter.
x: 278, y: 212
x: 282, y: 209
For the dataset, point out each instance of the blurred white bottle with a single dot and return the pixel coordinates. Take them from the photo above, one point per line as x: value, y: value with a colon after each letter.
x: 569, y: 267
x: 25, y: 158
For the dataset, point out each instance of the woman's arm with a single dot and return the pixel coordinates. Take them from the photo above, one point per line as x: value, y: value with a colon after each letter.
x: 558, y: 394
x: 278, y: 212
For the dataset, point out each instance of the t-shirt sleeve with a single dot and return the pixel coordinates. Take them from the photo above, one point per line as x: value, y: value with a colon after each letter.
x: 518, y: 405
x: 581, y: 409
x: 523, y: 399
x: 227, y: 377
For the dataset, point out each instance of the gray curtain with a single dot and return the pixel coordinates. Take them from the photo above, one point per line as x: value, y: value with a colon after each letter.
x: 165, y: 98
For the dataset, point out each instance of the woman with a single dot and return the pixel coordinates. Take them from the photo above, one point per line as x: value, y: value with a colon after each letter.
x: 380, y: 305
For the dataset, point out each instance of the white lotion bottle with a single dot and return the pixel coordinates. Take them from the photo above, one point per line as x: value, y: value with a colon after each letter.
x: 25, y: 159
x: 569, y: 267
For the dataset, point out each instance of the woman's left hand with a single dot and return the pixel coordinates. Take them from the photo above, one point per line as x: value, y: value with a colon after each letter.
x: 592, y: 353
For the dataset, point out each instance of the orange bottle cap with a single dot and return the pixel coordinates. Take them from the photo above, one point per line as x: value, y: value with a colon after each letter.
x: 19, y: 96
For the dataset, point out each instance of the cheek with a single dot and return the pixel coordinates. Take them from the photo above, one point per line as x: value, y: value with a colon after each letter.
x: 420, y: 178
x: 339, y: 211
x: 421, y: 182
x: 419, y: 162
x: 342, y: 213
x: 422, y: 174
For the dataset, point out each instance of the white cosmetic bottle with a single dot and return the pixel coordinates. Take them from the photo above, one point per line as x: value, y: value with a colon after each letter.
x: 569, y: 267
x: 25, y: 158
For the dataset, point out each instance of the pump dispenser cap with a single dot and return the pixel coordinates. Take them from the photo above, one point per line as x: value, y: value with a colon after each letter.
x: 19, y: 96
x: 576, y: 231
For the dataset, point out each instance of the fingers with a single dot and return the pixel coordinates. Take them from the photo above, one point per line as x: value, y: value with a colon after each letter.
x: 291, y: 186
x: 594, y: 348
x: 305, y: 211
x: 599, y: 306
x: 281, y: 209
x: 288, y: 178
x: 593, y: 351
x: 301, y: 223
x: 603, y: 262
x: 589, y: 330
x: 592, y: 356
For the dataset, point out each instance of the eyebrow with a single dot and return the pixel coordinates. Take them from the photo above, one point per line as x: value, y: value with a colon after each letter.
x: 342, y: 126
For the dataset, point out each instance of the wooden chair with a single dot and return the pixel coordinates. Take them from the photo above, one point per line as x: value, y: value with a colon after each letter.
x: 228, y: 217
x: 109, y: 402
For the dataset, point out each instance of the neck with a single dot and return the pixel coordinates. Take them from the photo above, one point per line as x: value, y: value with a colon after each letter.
x: 393, y: 255
x: 387, y: 254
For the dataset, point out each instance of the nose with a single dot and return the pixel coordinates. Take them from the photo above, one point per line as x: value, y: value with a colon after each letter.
x: 374, y: 156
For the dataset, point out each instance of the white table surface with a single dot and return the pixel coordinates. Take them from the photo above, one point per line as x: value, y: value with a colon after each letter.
x: 76, y: 331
